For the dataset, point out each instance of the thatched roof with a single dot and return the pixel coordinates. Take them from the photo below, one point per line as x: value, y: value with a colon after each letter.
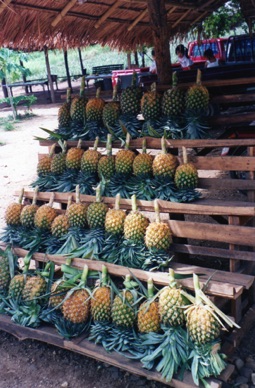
x: 32, y: 24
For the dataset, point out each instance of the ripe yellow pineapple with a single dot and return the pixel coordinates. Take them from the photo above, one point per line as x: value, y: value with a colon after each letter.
x: 44, y: 164
x: 34, y: 288
x: 90, y: 159
x: 148, y: 314
x: 28, y: 212
x: 158, y: 234
x: 13, y: 211
x: 94, y: 108
x: 124, y: 159
x: 164, y: 164
x: 45, y: 215
x: 73, y: 157
x: 142, y: 165
x: 58, y: 162
x: 61, y: 224
x: 18, y: 282
x: 77, y: 212
x: 135, y: 224
x: 106, y: 164
x: 101, y: 300
x: 186, y: 175
x: 96, y: 212
x: 115, y: 218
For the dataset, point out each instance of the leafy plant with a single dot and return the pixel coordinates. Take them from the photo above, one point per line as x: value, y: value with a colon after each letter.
x: 27, y: 100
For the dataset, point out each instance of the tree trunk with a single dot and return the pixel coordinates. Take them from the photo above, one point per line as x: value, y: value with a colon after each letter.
x: 52, y: 94
x: 129, y: 60
x: 158, y: 24
x: 67, y: 70
x: 81, y: 62
x: 136, y: 58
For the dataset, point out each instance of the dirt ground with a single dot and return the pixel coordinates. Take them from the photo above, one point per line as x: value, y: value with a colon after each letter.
x: 31, y: 364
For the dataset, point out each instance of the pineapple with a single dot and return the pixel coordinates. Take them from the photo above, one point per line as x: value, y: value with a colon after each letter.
x: 124, y: 159
x: 61, y: 224
x: 111, y: 111
x: 186, y: 175
x: 4, y: 272
x: 197, y: 97
x: 96, y: 212
x: 106, y: 164
x: 94, y: 108
x: 45, y: 215
x: 78, y: 105
x: 64, y: 117
x: 164, y: 164
x: 101, y: 300
x: 173, y: 102
x: 123, y: 310
x: 135, y: 224
x: 148, y: 314
x: 171, y: 302
x: 44, y: 164
x: 77, y: 212
x: 158, y: 234
x: 76, y: 307
x: 142, y: 165
x: 35, y: 287
x: 74, y: 156
x: 151, y: 104
x: 58, y: 162
x: 115, y: 218
x: 28, y: 212
x: 130, y: 98
x: 13, y: 212
x: 18, y: 282
x: 90, y: 159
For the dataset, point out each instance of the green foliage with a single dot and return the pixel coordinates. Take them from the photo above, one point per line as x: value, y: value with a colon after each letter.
x: 10, y: 66
x: 27, y: 100
x: 226, y: 19
x: 6, y: 124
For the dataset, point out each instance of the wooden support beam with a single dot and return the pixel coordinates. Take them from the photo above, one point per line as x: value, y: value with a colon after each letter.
x: 108, y: 13
x: 167, y: 3
x: 199, y: 17
x: 137, y: 20
x: 4, y: 5
x: 180, y: 18
x: 64, y: 11
x: 52, y: 94
x: 67, y: 70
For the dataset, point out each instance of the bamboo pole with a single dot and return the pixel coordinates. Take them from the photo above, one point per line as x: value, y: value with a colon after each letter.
x: 108, y: 13
x: 52, y: 93
x: 63, y: 13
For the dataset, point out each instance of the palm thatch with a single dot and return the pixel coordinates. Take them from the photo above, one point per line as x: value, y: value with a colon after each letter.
x: 125, y: 24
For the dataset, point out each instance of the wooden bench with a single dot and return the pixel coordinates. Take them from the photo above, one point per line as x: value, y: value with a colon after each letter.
x: 106, y: 69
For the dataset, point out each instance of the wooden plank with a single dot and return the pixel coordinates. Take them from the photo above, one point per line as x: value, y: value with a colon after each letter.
x: 202, y: 207
x: 222, y: 184
x: 216, y: 83
x: 87, y: 348
x: 225, y: 289
x: 232, y: 120
x: 154, y: 143
x: 224, y: 163
x: 233, y: 98
x: 233, y: 264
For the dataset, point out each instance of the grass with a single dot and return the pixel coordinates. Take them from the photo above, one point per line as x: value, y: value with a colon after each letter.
x: 8, y: 123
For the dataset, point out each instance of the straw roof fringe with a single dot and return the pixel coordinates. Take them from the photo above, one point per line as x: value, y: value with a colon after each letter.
x: 123, y: 24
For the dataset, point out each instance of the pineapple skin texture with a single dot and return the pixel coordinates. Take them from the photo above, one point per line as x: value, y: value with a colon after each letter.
x: 135, y: 226
x: 124, y: 161
x: 197, y: 98
x: 114, y: 221
x: 58, y: 164
x: 164, y: 165
x: 151, y: 105
x: 201, y: 325
x: 122, y: 314
x: 101, y: 304
x: 148, y: 318
x: 89, y: 161
x: 44, y: 217
x: 60, y: 226
x: 173, y: 102
x: 77, y: 215
x: 186, y: 176
x: 77, y: 307
x: 96, y: 214
x: 16, y: 286
x: 78, y: 109
x: 170, y: 300
x: 4, y: 274
x: 106, y: 167
x: 73, y: 158
x: 44, y: 166
x: 142, y: 165
x: 55, y: 299
x: 158, y: 235
x: 64, y: 117
x: 34, y: 287
x: 27, y: 215
x: 12, y: 214
x: 94, y: 109
x: 111, y: 113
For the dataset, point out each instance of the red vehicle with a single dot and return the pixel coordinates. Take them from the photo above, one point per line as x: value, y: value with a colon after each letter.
x: 218, y: 46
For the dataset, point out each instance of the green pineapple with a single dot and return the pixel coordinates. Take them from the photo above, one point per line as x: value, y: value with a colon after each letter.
x: 115, y: 218
x: 135, y: 224
x: 186, y: 175
x: 130, y: 98
x: 64, y: 118
x: 148, y: 314
x: 77, y: 212
x: 35, y: 287
x: 45, y: 215
x: 151, y: 104
x: 106, y: 164
x: 158, y: 234
x: 94, y: 108
x: 74, y: 156
x: 142, y: 165
x: 58, y: 162
x: 173, y: 102
x: 124, y: 159
x: 197, y: 97
x: 61, y: 223
x: 111, y: 111
x: 90, y: 159
x: 13, y: 211
x: 5, y: 276
x: 78, y: 105
x: 96, y: 212
x: 164, y: 164
x: 27, y: 214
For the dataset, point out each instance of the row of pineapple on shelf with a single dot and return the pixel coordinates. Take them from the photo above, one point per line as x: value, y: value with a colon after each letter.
x: 179, y: 113
x: 90, y: 231
x: 127, y: 172
x: 167, y: 329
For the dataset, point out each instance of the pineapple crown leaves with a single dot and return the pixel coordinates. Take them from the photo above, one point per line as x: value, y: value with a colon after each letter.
x: 202, y: 300
x: 63, y: 145
x: 52, y: 134
x: 24, y: 314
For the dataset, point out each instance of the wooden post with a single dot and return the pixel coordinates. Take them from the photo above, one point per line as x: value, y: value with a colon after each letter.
x: 52, y: 93
x: 129, y: 60
x: 4, y: 87
x: 24, y: 76
x: 158, y: 22
x: 136, y: 58
x: 67, y: 70
x: 80, y: 57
